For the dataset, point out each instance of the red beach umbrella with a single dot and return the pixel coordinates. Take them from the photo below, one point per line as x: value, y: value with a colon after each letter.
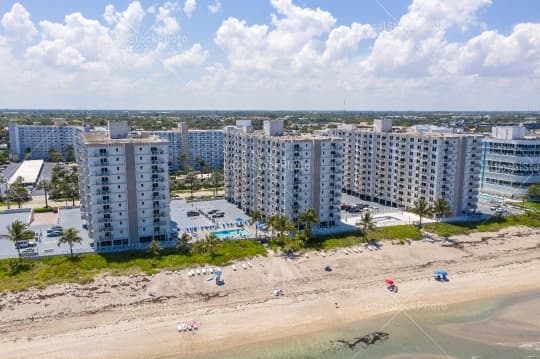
x: 389, y: 281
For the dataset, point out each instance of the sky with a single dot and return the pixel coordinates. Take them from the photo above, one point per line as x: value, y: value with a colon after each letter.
x: 399, y: 55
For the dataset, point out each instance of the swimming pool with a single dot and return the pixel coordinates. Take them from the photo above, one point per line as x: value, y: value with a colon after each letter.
x: 229, y: 233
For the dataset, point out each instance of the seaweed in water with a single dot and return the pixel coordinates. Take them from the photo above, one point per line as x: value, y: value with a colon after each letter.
x: 365, y: 341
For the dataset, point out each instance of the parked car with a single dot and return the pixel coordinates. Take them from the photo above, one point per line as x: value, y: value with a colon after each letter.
x: 192, y: 213
x: 218, y: 215
x: 54, y: 234
x: 57, y: 228
x: 345, y: 206
x: 22, y: 244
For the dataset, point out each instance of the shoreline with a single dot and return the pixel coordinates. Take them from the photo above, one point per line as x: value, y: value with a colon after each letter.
x: 141, y: 312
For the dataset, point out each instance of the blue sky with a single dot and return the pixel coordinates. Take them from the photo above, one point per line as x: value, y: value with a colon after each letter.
x: 271, y: 54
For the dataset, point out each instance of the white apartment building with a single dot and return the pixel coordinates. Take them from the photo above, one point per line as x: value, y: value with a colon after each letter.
x: 33, y: 142
x: 510, y: 161
x: 271, y: 172
x: 192, y: 147
x: 398, y: 168
x: 206, y: 148
x: 174, y: 144
x: 124, y: 188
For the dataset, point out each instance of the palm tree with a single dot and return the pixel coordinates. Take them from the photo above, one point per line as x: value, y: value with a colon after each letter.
x: 44, y: 185
x: 70, y: 153
x: 216, y: 179
x: 256, y: 216
x: 18, y: 231
x: 183, y: 242
x: 207, y: 245
x: 441, y: 208
x: 366, y: 222
x: 191, y: 178
x: 54, y: 155
x: 308, y: 218
x: 281, y: 224
x: 70, y: 237
x: 421, y: 209
x: 154, y: 248
x: 18, y: 192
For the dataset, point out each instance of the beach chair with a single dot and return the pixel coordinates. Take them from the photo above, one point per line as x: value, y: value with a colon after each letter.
x: 244, y: 266
x: 346, y: 252
x: 323, y: 255
x: 355, y: 250
x: 233, y: 267
x: 204, y: 271
x: 250, y: 265
x: 198, y: 271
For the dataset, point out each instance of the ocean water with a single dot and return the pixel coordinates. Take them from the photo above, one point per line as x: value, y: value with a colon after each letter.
x: 417, y: 334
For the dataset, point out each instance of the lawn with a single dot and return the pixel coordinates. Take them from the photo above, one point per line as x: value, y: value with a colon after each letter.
x: 492, y: 225
x: 46, y: 271
x: 403, y: 232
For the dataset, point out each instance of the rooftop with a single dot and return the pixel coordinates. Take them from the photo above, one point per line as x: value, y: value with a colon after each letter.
x: 103, y: 139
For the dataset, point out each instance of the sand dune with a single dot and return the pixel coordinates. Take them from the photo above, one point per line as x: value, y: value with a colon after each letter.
x: 135, y: 317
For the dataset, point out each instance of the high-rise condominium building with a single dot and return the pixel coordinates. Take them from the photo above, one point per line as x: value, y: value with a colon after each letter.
x: 398, y: 168
x: 196, y: 148
x: 274, y: 173
x: 124, y: 188
x: 206, y: 148
x: 33, y: 142
x: 174, y: 144
x: 510, y: 162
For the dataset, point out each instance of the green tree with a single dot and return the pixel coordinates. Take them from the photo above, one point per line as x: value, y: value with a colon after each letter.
x: 282, y: 225
x: 18, y: 231
x: 533, y: 192
x: 70, y: 153
x: 366, y: 222
x: 421, y: 209
x: 70, y: 237
x: 441, y: 208
x: 191, y: 178
x: 54, y: 156
x: 44, y: 185
x: 307, y: 219
x: 256, y: 216
x: 18, y: 191
x: 217, y: 180
x: 292, y: 244
x: 182, y: 244
x: 154, y: 248
x: 207, y: 245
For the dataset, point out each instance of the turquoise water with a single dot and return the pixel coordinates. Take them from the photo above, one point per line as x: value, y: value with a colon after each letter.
x: 413, y: 334
x: 229, y: 233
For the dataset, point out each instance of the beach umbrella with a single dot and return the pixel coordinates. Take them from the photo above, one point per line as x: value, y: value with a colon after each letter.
x: 389, y: 281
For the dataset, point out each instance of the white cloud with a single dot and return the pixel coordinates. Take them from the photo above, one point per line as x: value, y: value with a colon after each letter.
x: 18, y: 24
x: 189, y: 7
x: 419, y: 36
x: 127, y: 23
x: 299, y: 58
x: 166, y: 23
x: 195, y: 56
x: 215, y: 7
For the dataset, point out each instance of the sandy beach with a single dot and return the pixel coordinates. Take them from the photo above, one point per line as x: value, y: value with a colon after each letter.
x: 136, y: 316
